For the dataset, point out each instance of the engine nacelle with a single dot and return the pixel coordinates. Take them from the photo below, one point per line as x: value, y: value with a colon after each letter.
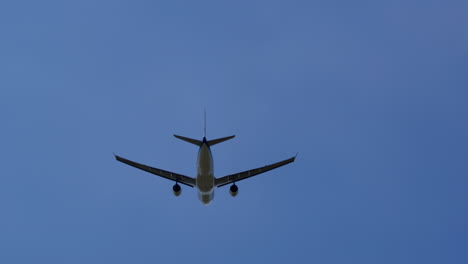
x: 176, y: 189
x: 233, y: 190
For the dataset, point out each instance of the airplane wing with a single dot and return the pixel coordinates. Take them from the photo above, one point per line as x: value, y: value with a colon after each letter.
x: 165, y: 174
x: 247, y: 174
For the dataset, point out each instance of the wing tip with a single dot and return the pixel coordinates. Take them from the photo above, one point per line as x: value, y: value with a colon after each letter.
x: 293, y: 158
x: 118, y: 158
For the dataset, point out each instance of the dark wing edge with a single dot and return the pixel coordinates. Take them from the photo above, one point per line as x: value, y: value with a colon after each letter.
x: 165, y: 174
x: 250, y: 173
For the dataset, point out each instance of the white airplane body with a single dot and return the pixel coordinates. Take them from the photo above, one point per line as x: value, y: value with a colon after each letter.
x: 205, y: 175
x: 205, y: 181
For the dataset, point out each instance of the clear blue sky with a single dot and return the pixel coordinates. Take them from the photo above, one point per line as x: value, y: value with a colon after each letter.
x: 372, y: 94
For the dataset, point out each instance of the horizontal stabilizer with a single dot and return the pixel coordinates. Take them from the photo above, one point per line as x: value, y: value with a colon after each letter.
x: 190, y: 140
x: 219, y: 140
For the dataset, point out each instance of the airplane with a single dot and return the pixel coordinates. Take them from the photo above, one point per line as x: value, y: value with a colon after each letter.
x: 205, y: 180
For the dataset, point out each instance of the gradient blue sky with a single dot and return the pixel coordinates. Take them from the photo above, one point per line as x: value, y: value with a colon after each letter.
x: 372, y: 94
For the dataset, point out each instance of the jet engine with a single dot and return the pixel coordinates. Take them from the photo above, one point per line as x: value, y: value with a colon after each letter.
x: 176, y: 189
x: 233, y: 190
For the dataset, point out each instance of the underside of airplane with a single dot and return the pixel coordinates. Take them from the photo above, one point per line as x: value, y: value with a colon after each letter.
x: 205, y: 181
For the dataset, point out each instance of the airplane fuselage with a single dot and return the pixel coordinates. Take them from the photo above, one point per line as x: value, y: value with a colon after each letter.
x: 205, y: 180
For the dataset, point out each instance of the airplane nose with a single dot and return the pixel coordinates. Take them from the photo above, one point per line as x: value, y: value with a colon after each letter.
x: 206, y: 198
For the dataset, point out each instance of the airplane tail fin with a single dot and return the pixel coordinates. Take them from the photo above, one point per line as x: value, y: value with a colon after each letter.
x: 218, y: 140
x: 189, y: 140
x: 209, y: 142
